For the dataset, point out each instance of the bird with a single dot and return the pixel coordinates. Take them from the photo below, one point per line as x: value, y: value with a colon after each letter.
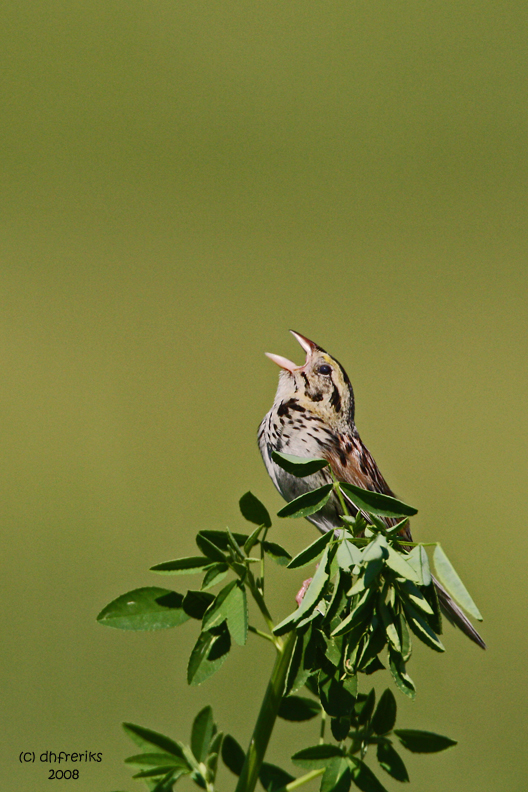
x: 313, y: 416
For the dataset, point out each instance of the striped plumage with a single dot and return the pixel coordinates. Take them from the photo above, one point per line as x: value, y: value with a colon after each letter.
x: 313, y: 416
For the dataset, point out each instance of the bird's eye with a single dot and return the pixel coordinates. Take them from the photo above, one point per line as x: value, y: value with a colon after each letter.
x: 324, y: 369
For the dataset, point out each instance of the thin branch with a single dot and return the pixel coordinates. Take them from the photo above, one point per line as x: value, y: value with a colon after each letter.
x: 323, y: 725
x: 267, y: 636
x: 302, y: 780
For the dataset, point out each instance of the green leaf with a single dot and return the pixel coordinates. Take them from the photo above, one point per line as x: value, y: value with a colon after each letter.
x: 397, y: 528
x: 398, y: 564
x: 385, y: 715
x: 401, y: 678
x: 377, y: 523
x: 209, y: 549
x: 360, y: 614
x: 365, y: 708
x: 241, y: 569
x: 211, y: 761
x: 338, y: 599
x: 301, y: 662
x: 391, y: 761
x: 316, y: 756
x: 311, y: 598
x: 405, y: 638
x: 237, y: 614
x: 202, y: 733
x: 233, y: 755
x: 252, y: 539
x: 221, y: 538
x: 350, y: 685
x: 183, y: 566
x: 216, y: 742
x: 253, y: 510
x: 364, y: 778
x: 307, y: 504
x: 417, y: 558
x: 298, y: 708
x: 354, y: 644
x: 389, y: 619
x: 231, y: 606
x: 272, y: 777
x: 334, y: 649
x: 212, y: 765
x: 310, y: 553
x: 421, y: 628
x: 208, y: 655
x: 377, y: 549
x: 357, y: 525
x: 234, y: 545
x: 337, y: 776
x: 376, y: 503
x: 157, y: 771
x: 278, y: 553
x: 369, y: 666
x: 216, y: 613
x: 148, y: 608
x: 408, y: 591
x: 298, y: 466
x: 340, y: 728
x: 372, y: 572
x: 348, y: 555
x: 430, y: 593
x: 423, y: 741
x: 335, y: 696
x: 214, y: 575
x: 374, y: 556
x: 166, y: 784
x: 358, y: 587
x: 163, y: 760
x: 146, y: 738
x: 199, y: 779
x: 450, y: 579
x: 195, y: 603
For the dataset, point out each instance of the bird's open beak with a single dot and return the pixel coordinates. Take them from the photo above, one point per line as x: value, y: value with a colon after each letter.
x: 308, y: 346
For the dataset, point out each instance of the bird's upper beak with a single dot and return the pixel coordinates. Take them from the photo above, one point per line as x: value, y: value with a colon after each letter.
x: 308, y: 346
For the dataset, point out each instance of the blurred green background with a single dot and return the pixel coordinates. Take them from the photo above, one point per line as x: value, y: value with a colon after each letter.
x: 182, y: 183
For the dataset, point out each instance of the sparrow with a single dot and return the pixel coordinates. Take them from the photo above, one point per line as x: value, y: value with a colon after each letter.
x: 313, y: 416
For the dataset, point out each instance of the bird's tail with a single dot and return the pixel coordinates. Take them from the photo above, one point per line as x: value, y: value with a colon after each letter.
x: 455, y: 615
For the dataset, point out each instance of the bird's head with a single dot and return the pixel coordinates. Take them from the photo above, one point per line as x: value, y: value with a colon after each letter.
x: 321, y: 385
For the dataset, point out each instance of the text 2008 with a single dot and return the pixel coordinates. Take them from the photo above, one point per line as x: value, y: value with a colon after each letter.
x: 58, y: 774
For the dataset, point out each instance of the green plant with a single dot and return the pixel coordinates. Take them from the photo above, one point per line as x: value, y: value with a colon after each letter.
x: 368, y: 595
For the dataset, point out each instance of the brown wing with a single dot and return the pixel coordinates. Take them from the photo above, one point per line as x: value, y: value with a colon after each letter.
x: 352, y: 462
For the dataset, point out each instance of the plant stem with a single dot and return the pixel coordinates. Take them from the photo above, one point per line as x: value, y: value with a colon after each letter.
x: 262, y: 560
x: 259, y: 599
x: 337, y: 490
x: 262, y: 634
x: 323, y: 724
x: 267, y: 715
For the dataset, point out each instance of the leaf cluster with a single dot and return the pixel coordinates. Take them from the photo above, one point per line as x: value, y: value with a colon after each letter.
x: 163, y: 760
x: 371, y: 590
x: 224, y: 615
x: 369, y: 726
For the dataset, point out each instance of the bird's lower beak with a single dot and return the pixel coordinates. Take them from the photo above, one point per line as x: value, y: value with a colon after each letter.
x: 308, y: 346
x: 283, y: 362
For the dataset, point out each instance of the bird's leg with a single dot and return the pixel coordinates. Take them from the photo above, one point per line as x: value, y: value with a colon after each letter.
x: 302, y: 591
x: 304, y: 588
